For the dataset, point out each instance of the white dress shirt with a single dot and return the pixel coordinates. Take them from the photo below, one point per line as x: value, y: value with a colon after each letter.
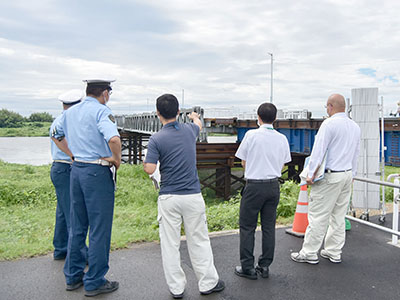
x: 340, y: 136
x: 265, y: 151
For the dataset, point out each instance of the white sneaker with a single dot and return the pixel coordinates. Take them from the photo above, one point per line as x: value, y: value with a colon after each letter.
x: 297, y: 257
x: 335, y: 260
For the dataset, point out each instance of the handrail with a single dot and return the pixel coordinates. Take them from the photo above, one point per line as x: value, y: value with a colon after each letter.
x: 394, y: 231
x: 392, y: 176
x: 389, y: 230
x: 379, y: 182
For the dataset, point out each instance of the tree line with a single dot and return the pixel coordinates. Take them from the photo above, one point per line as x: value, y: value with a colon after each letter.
x: 10, y: 119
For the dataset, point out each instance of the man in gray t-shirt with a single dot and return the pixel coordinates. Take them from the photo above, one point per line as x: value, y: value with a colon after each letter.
x: 174, y: 146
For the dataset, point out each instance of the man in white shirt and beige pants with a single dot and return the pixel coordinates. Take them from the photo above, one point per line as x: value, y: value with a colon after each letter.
x: 338, y: 138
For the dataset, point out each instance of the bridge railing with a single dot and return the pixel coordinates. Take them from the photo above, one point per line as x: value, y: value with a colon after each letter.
x: 149, y: 123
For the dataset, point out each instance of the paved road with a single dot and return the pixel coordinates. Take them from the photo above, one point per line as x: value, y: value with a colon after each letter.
x: 370, y: 270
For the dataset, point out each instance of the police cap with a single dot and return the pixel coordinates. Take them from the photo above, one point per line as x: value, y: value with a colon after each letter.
x: 104, y: 83
x: 71, y: 97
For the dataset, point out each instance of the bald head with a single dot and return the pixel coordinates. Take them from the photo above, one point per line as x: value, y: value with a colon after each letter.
x: 336, y: 103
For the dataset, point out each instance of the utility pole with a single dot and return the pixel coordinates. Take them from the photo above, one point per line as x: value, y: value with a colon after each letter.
x: 272, y: 78
x: 183, y: 97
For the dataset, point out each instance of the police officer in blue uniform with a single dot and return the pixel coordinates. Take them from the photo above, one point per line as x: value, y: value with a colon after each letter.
x: 93, y: 138
x: 59, y: 174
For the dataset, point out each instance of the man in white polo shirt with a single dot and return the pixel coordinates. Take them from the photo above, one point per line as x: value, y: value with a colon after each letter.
x: 338, y: 138
x: 263, y: 152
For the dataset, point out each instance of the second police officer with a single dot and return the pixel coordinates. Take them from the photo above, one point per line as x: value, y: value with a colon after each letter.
x: 60, y: 174
x: 93, y: 139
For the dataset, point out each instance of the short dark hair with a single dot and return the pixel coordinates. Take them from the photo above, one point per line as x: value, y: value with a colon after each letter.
x: 65, y: 106
x: 167, y: 106
x: 96, y: 90
x: 267, y: 112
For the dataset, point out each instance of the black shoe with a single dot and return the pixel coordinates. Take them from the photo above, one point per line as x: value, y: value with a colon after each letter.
x: 218, y: 288
x: 177, y: 296
x: 108, y: 287
x: 74, y: 286
x: 250, y: 274
x: 263, y: 271
x: 59, y: 257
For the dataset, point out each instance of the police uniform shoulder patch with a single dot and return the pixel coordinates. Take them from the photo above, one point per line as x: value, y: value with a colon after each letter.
x: 111, y: 117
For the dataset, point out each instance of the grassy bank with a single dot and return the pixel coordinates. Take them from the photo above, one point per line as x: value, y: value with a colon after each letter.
x: 28, y: 129
x: 28, y: 202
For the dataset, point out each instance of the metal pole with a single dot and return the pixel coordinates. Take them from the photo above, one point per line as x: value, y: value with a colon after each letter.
x: 373, y: 225
x: 373, y: 181
x: 272, y: 73
x: 183, y: 98
x: 348, y: 107
x: 383, y: 157
x: 395, y: 224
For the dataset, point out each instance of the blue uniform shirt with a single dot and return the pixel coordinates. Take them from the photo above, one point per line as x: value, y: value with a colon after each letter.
x: 56, y: 153
x: 88, y: 126
x: 175, y: 147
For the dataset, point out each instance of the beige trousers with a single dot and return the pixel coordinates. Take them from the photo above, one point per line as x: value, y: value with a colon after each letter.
x: 172, y: 209
x: 329, y: 200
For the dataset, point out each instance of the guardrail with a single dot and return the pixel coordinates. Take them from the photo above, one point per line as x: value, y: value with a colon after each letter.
x: 148, y: 123
x: 396, y: 196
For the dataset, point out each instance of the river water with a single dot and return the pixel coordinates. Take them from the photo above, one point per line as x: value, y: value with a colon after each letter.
x: 36, y: 150
x: 25, y: 150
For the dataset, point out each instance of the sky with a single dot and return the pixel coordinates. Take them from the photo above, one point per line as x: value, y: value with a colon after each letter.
x: 213, y: 54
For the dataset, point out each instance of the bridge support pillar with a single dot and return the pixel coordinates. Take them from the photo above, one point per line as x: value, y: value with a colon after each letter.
x: 223, y: 182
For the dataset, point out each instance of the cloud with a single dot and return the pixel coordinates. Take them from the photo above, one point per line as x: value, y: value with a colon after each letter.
x: 217, y: 51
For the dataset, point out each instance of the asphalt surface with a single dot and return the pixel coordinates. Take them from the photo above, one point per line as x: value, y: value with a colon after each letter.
x: 370, y: 270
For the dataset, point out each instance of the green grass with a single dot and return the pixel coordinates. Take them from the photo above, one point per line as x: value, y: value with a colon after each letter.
x: 27, y: 210
x: 28, y: 129
x: 28, y: 202
x: 389, y: 191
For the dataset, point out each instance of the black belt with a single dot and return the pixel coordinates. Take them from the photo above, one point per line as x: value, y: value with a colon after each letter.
x: 262, y: 180
x: 333, y: 171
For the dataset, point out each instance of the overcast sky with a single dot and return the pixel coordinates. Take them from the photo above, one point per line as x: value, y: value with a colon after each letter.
x: 217, y: 51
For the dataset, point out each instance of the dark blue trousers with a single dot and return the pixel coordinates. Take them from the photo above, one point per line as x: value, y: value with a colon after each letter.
x: 92, y: 208
x: 59, y: 174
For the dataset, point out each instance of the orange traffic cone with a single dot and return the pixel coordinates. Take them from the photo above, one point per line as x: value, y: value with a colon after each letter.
x: 300, y: 222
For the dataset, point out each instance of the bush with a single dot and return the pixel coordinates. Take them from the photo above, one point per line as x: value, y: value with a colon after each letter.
x: 287, y: 203
x: 10, y: 119
x: 41, y: 117
x: 225, y: 215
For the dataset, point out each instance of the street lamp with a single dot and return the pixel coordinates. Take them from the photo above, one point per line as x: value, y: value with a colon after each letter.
x: 272, y: 61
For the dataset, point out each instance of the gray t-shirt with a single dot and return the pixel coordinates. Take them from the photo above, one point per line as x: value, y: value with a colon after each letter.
x: 175, y: 147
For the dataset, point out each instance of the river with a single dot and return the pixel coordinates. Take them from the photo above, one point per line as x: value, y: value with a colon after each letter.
x: 36, y: 150
x: 25, y: 150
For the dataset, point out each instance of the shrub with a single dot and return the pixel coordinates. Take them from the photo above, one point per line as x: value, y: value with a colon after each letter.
x: 289, y: 195
x: 225, y: 215
x: 41, y: 117
x: 10, y: 119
